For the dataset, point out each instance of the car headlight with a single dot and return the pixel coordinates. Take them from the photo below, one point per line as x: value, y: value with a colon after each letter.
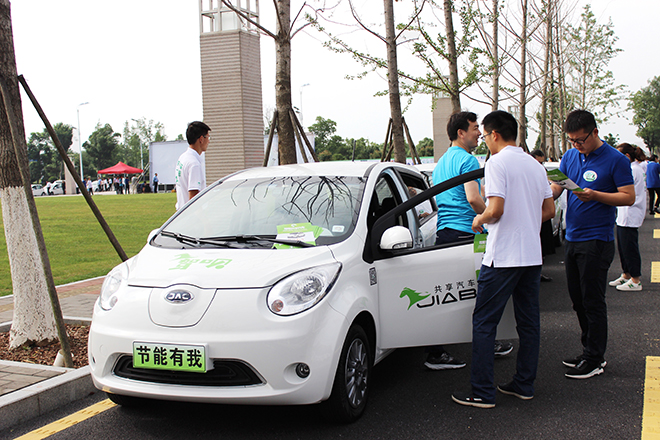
x: 111, y: 285
x: 302, y: 290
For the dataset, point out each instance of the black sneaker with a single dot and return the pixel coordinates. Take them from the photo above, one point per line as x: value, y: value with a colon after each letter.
x: 572, y: 363
x: 509, y: 388
x: 469, y: 400
x: 503, y: 348
x: 584, y: 370
x: 443, y: 361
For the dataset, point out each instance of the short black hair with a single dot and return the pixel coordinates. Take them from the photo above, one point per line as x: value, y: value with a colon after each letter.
x: 196, y: 130
x: 459, y: 121
x: 579, y: 120
x: 503, y: 123
x: 538, y: 153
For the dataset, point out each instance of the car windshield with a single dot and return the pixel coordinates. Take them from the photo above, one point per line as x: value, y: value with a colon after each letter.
x: 264, y: 213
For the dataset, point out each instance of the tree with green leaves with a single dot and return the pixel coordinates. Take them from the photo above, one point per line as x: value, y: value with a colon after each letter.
x: 45, y: 162
x: 101, y: 148
x: 589, y: 48
x: 134, y: 151
x: 645, y: 103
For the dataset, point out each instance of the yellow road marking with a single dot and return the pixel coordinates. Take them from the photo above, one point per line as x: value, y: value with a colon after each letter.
x: 68, y: 421
x: 655, y: 271
x: 651, y: 413
x: 656, y: 233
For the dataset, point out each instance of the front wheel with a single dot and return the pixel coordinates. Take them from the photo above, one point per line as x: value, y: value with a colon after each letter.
x: 350, y: 390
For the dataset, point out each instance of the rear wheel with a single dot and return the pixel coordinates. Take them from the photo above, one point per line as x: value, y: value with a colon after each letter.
x: 350, y: 390
x: 127, y: 401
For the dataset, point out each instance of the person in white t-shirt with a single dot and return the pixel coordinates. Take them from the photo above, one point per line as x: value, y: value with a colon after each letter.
x: 189, y: 175
x: 519, y: 200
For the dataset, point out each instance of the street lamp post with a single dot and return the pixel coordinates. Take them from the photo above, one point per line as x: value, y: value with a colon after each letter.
x: 140, y: 140
x: 301, y: 102
x: 80, y: 140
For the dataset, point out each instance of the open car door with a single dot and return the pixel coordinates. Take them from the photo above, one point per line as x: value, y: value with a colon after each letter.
x: 427, y: 295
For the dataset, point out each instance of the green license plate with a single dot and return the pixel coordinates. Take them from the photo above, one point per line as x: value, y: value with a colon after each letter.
x: 172, y: 357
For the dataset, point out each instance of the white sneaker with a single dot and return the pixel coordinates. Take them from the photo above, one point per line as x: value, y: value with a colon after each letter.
x: 619, y: 281
x: 630, y: 286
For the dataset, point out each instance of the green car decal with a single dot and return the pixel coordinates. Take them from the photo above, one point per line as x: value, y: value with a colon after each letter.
x: 413, y: 296
x: 184, y: 261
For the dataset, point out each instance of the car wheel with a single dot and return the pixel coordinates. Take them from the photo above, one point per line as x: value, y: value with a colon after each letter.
x: 350, y: 390
x: 127, y: 401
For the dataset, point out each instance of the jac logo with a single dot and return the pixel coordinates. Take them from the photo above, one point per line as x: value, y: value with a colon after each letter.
x: 179, y: 296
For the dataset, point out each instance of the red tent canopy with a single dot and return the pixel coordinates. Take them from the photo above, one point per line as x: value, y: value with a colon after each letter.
x: 120, y: 168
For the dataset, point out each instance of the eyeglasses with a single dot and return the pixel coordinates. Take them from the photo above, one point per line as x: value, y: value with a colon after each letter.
x: 483, y: 137
x: 580, y: 141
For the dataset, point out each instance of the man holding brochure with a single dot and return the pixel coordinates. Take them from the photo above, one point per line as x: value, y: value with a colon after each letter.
x: 602, y: 180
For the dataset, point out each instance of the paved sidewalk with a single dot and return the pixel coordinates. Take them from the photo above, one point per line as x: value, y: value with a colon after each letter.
x: 28, y: 390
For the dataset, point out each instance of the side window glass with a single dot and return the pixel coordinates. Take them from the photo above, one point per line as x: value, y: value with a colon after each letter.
x: 415, y: 186
x: 382, y: 200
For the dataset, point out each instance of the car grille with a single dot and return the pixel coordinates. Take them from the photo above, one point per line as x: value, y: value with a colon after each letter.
x: 225, y: 373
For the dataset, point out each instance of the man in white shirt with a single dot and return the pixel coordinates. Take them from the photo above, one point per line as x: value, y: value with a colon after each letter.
x: 189, y: 175
x: 519, y: 200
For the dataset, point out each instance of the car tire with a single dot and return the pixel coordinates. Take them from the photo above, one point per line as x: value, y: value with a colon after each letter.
x: 127, y: 401
x: 350, y: 390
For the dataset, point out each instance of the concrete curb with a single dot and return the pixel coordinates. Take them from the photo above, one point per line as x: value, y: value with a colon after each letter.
x: 71, y: 320
x: 45, y: 396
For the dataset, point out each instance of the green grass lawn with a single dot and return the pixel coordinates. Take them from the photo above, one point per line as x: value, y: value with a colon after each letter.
x: 77, y: 246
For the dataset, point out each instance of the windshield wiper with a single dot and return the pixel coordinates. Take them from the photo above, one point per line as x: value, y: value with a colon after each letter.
x: 196, y: 241
x: 246, y: 238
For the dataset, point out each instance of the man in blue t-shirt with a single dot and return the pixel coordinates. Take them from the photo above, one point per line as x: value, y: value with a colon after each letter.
x: 653, y: 183
x: 604, y: 175
x: 457, y: 207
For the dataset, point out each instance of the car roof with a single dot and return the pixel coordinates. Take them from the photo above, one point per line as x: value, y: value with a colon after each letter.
x: 355, y: 169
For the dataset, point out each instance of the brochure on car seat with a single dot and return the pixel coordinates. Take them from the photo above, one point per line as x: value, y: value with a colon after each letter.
x: 562, y: 180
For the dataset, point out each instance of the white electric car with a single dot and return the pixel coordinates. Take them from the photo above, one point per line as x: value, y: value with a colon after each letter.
x: 285, y: 285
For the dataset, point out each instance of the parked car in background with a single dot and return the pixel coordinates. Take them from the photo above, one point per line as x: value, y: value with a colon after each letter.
x: 285, y: 285
x: 57, y: 188
x: 38, y: 190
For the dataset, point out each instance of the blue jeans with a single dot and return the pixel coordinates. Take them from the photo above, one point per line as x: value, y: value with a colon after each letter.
x: 496, y: 285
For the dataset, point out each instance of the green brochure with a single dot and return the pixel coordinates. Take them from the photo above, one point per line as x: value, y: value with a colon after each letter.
x: 556, y: 176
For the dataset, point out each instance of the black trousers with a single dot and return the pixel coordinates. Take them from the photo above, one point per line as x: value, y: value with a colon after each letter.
x: 587, y: 263
x: 653, y: 202
x: 628, y: 246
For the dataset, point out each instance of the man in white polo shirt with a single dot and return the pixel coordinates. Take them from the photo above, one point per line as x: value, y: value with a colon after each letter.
x: 189, y: 175
x: 519, y: 200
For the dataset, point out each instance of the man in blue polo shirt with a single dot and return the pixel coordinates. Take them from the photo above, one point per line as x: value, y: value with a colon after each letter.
x: 457, y: 207
x: 604, y: 175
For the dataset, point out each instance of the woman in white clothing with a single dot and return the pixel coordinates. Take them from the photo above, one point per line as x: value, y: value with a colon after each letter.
x: 628, y: 221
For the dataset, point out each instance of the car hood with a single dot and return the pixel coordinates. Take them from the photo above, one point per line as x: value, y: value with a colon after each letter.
x: 221, y: 268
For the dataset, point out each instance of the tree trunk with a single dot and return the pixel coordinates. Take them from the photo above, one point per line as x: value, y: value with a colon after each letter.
x: 453, y: 58
x: 522, y: 123
x: 286, y: 138
x: 393, y: 84
x: 33, y: 317
x: 496, y: 61
x: 547, y: 64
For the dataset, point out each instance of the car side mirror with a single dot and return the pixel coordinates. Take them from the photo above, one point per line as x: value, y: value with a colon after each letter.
x: 396, y: 237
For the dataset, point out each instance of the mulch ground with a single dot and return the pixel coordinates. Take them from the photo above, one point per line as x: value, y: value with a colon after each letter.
x: 46, y: 355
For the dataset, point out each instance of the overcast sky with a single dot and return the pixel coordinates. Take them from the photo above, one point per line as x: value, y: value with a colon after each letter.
x: 135, y: 58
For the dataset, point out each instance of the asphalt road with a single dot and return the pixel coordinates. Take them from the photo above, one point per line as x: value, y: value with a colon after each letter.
x: 410, y: 402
